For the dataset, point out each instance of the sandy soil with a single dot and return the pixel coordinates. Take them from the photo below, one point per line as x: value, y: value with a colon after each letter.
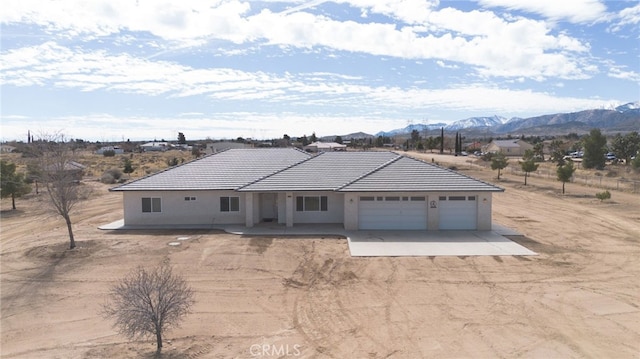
x: 306, y: 297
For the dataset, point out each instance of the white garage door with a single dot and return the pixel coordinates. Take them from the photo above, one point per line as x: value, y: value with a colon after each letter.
x: 458, y: 212
x: 392, y: 212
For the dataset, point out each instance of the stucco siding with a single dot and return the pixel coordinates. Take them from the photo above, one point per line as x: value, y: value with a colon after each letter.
x: 203, y: 207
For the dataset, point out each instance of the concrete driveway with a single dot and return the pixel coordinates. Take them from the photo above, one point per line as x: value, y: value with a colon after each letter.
x: 444, y: 243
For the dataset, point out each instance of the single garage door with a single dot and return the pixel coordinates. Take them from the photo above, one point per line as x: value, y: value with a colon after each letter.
x: 458, y: 212
x: 392, y: 212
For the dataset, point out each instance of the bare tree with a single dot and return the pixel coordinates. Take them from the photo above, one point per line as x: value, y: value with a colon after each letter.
x: 61, y: 176
x: 148, y: 302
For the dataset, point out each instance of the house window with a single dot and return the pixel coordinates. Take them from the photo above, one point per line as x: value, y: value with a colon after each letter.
x: 150, y: 205
x: 456, y: 198
x: 189, y: 198
x: 442, y: 198
x: 311, y: 203
x: 393, y: 198
x: 471, y: 198
x: 367, y: 198
x: 418, y: 199
x: 229, y: 204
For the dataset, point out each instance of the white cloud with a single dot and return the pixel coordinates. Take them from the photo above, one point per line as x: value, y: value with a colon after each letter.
x: 619, y: 72
x: 491, y: 44
x: 575, y: 11
x: 59, y: 66
x: 627, y: 17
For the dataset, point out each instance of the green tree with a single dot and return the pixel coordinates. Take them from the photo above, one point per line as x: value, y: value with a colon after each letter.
x: 498, y: 162
x: 338, y: 139
x: 128, y: 167
x: 538, y: 151
x: 627, y: 146
x: 594, y: 150
x: 565, y: 172
x: 529, y: 164
x: 181, y: 139
x: 313, y: 138
x: 415, y: 138
x: 557, y: 152
x: 12, y: 184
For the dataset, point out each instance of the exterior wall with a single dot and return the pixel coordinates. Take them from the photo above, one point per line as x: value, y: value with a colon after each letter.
x: 342, y: 208
x: 484, y: 211
x: 334, y: 213
x: 177, y: 211
x: 351, y: 211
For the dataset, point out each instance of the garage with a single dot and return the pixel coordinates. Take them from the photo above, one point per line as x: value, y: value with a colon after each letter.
x: 458, y: 212
x: 392, y: 212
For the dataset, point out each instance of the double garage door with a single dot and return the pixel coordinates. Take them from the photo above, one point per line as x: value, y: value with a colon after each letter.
x: 410, y: 212
x: 392, y: 212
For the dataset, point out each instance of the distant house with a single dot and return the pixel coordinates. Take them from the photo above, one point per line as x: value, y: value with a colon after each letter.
x: 155, y: 146
x: 117, y: 150
x: 216, y: 147
x: 514, y: 147
x: 325, y: 147
x: 369, y: 190
x: 72, y: 170
x: 7, y: 148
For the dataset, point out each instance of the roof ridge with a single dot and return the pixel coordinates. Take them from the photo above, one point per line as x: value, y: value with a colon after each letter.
x: 167, y: 169
x: 282, y: 169
x: 398, y: 156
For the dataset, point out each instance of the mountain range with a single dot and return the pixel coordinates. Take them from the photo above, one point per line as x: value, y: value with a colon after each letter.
x: 624, y: 118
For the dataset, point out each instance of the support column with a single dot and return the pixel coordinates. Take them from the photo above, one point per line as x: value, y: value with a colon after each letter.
x: 289, y: 207
x: 248, y: 209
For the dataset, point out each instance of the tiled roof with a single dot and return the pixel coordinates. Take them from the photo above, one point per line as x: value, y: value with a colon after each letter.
x: 271, y: 170
x: 324, y: 172
x: 506, y: 143
x: 406, y: 174
x: 224, y: 170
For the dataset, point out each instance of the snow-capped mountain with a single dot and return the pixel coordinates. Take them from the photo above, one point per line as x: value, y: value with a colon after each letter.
x: 474, y: 122
x: 631, y: 106
x: 420, y: 127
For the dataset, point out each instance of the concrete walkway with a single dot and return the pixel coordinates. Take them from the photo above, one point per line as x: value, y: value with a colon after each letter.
x: 381, y: 243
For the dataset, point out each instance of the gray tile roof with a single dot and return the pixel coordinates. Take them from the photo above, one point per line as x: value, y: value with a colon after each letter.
x: 225, y: 170
x: 406, y: 174
x: 271, y: 170
x: 326, y: 171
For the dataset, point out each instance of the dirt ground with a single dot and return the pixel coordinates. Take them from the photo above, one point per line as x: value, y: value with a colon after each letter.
x: 306, y: 297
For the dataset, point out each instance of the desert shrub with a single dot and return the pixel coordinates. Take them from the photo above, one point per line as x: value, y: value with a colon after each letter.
x: 453, y: 168
x: 603, y: 195
x: 109, y: 153
x: 107, y: 178
x: 612, y: 174
x: 111, y: 176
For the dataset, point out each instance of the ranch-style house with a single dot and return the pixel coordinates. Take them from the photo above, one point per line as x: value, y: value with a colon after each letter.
x: 368, y: 190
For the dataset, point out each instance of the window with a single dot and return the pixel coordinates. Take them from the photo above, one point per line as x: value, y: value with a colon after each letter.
x: 367, y: 198
x: 418, y: 199
x: 456, y: 198
x: 442, y: 198
x: 229, y: 204
x: 311, y: 203
x: 392, y: 198
x: 150, y: 205
x: 189, y: 198
x: 471, y: 198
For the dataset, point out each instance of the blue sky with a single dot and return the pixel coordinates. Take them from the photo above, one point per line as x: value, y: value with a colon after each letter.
x: 148, y: 69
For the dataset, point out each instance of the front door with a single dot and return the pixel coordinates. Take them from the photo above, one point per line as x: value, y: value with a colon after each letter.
x: 269, y: 207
